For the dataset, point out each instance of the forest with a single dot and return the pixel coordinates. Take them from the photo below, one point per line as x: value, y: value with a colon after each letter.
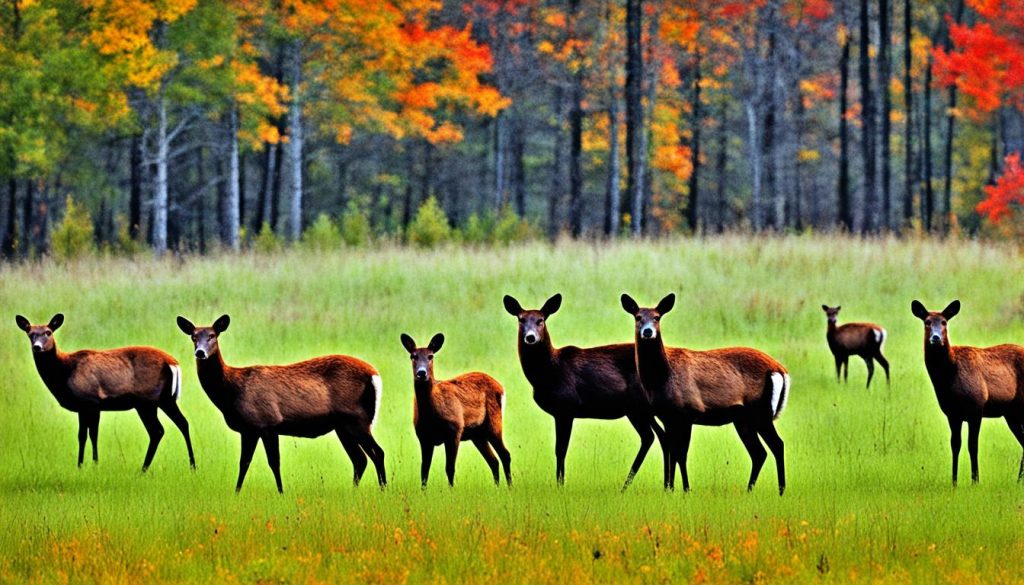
x: 200, y: 125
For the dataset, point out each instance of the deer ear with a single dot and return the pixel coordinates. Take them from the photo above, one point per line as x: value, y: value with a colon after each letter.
x: 22, y: 322
x: 918, y: 310
x: 221, y: 324
x: 408, y: 343
x: 552, y: 305
x: 629, y: 305
x: 512, y: 306
x: 824, y: 308
x: 56, y: 322
x: 666, y: 303
x: 952, y: 310
x: 186, y: 326
x: 436, y: 342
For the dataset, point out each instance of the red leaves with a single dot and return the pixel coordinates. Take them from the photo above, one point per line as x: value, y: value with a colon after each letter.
x: 1007, y: 191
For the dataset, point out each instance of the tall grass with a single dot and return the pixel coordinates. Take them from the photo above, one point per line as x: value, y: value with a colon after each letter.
x: 868, y: 495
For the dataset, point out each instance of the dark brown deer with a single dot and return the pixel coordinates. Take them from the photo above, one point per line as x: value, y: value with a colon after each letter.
x: 860, y: 339
x: 446, y: 412
x: 570, y: 383
x: 307, y: 399
x: 972, y: 383
x: 737, y: 385
x: 91, y: 381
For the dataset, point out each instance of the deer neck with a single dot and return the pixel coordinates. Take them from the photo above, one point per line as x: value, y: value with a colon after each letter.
x: 538, y: 361
x: 424, y: 391
x: 54, y: 367
x: 213, y: 377
x: 652, y: 362
x: 832, y: 328
x: 938, y: 360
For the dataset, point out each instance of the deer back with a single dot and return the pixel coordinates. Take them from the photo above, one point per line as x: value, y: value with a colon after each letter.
x: 718, y: 379
x: 467, y: 399
x: 125, y: 376
x: 857, y: 337
x: 598, y: 382
x: 990, y: 378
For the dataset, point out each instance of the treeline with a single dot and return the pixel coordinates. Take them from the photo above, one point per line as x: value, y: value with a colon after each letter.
x: 202, y: 124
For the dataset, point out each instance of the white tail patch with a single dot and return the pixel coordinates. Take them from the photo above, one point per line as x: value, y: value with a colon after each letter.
x: 880, y: 335
x: 378, y: 389
x: 780, y: 393
x: 502, y: 403
x: 175, y: 382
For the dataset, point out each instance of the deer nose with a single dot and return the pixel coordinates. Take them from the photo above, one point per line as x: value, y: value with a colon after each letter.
x: 37, y: 347
x: 201, y: 354
x: 647, y: 333
x: 530, y: 338
x: 421, y: 374
x: 935, y: 340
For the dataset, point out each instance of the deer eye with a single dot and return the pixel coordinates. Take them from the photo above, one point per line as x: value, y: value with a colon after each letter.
x: 943, y: 321
x: 540, y: 321
x: 522, y: 320
x: 47, y: 334
x: 656, y: 319
x: 430, y: 358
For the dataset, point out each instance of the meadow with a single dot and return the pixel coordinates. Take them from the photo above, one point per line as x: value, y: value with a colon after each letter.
x: 868, y: 498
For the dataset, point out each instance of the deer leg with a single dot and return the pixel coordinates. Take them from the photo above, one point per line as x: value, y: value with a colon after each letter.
x: 685, y: 432
x: 374, y: 451
x: 666, y: 452
x: 83, y: 433
x: 249, y: 441
x: 355, y: 454
x: 973, y: 430
x: 426, y: 457
x: 489, y: 457
x: 774, y: 441
x: 871, y: 369
x: 506, y: 458
x: 174, y: 413
x: 271, y: 444
x: 563, y: 431
x: 643, y: 428
x: 885, y: 364
x: 755, y: 449
x: 839, y: 368
x: 846, y: 369
x: 451, y: 452
x: 94, y: 435
x: 1017, y: 428
x: 155, y: 430
x: 954, y: 444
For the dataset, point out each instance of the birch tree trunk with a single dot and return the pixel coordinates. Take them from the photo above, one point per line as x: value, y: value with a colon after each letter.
x: 234, y: 196
x: 295, y: 139
x: 160, y: 182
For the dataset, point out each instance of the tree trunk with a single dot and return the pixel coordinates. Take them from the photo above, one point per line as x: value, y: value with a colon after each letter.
x: 773, y: 123
x: 519, y: 167
x: 845, y: 210
x: 613, y: 195
x: 928, y: 201
x: 635, y: 131
x: 500, y: 146
x: 11, y: 234
x: 947, y: 189
x: 868, y: 138
x: 159, y: 215
x: 754, y: 143
x: 242, y: 192
x: 295, y: 138
x: 908, y: 107
x: 28, y: 223
x: 135, y: 190
x: 234, y: 196
x: 721, y: 167
x: 693, y: 201
x: 884, y: 76
x: 576, y: 133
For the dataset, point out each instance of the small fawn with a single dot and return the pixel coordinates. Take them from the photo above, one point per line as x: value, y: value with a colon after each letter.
x: 571, y: 382
x: 91, y: 381
x: 307, y: 399
x: 972, y: 383
x: 737, y: 385
x: 446, y: 412
x: 860, y: 339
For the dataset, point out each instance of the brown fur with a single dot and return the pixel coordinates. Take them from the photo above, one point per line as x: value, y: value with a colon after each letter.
x: 306, y: 399
x: 446, y: 412
x: 857, y: 339
x: 90, y: 381
x: 716, y: 387
x: 972, y: 383
x: 572, y: 382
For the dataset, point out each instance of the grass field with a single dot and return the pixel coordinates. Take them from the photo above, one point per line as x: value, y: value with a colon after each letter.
x: 868, y: 489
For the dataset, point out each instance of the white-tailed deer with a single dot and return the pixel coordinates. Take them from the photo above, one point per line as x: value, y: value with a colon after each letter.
x: 860, y: 339
x: 446, y: 412
x: 332, y: 393
x: 91, y: 381
x: 972, y: 383
x: 570, y: 383
x: 737, y: 385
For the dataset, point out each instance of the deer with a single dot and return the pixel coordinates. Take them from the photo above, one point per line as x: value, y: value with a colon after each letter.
x: 306, y: 399
x: 972, y: 383
x: 737, y: 385
x: 445, y: 412
x: 571, y: 382
x: 860, y: 339
x: 88, y: 382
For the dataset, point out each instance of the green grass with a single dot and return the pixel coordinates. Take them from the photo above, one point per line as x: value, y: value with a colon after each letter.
x: 868, y: 496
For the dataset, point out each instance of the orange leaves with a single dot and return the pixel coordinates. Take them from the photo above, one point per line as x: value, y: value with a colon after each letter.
x: 1007, y: 191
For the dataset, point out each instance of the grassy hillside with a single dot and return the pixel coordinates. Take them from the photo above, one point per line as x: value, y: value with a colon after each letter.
x: 868, y: 495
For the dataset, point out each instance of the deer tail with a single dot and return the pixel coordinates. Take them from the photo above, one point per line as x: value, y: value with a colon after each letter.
x: 780, y: 393
x: 880, y: 335
x: 378, y: 388
x: 175, y: 381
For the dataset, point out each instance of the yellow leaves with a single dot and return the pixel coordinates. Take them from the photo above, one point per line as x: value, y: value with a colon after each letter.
x: 808, y: 155
x: 842, y: 35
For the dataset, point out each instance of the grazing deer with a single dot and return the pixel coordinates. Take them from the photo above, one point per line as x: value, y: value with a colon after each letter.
x: 736, y: 385
x: 467, y: 407
x: 308, y: 399
x: 91, y: 381
x: 570, y: 383
x: 971, y: 383
x: 860, y: 339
